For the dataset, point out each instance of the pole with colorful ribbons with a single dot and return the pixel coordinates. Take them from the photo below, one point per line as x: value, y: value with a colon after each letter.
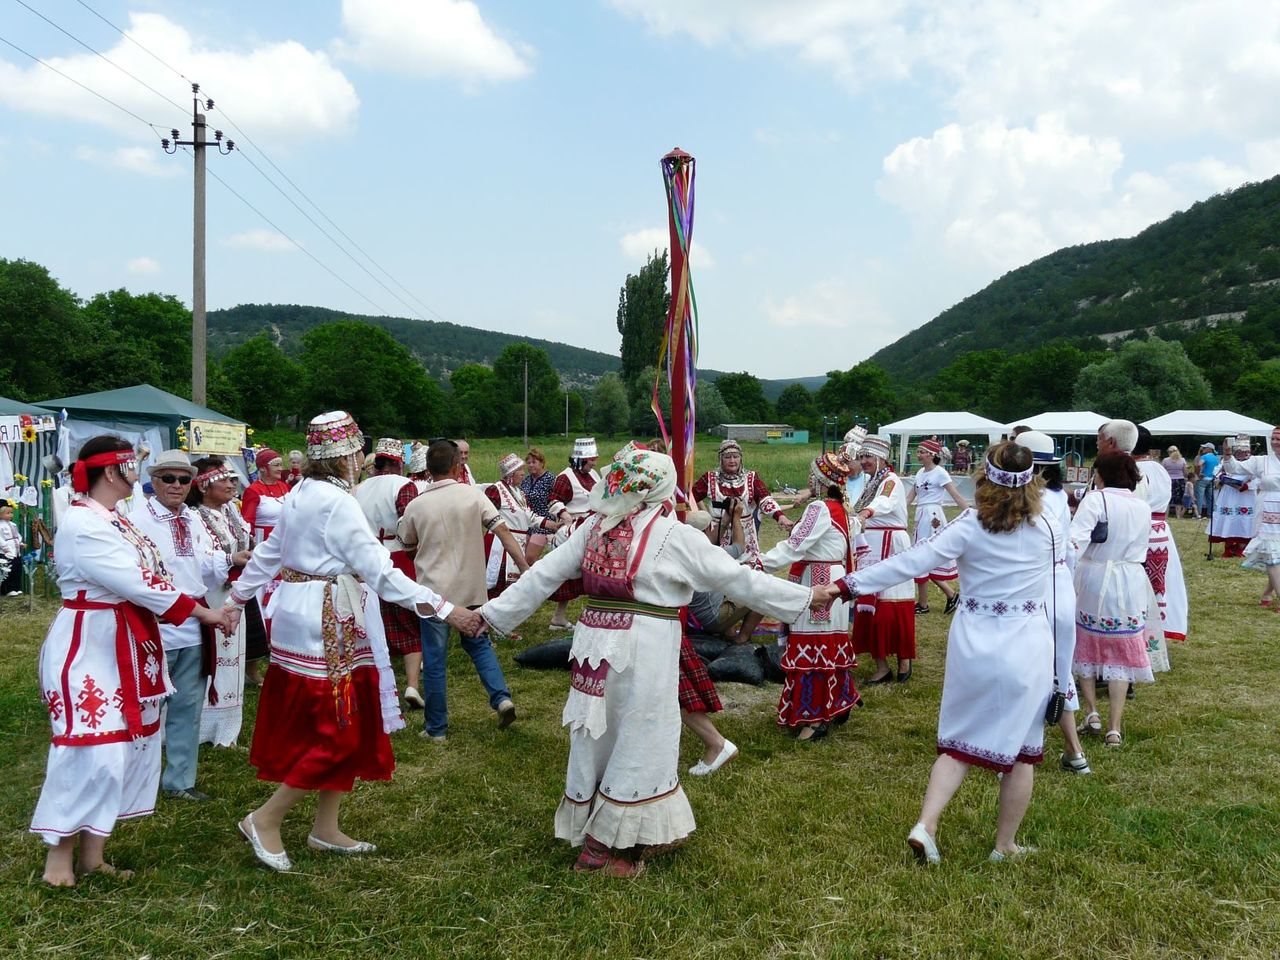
x: 679, y: 351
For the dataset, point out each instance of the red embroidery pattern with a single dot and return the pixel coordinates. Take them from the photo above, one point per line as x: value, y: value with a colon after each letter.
x: 820, y: 576
x: 606, y: 619
x: 91, y: 704
x: 1157, y: 567
x: 589, y: 680
x: 53, y: 702
x: 605, y: 557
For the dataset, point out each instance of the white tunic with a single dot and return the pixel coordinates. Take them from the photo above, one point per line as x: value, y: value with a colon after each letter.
x: 884, y: 534
x: 322, y: 531
x: 930, y: 495
x: 377, y: 498
x: 1233, y: 508
x: 623, y: 784
x: 817, y: 542
x: 197, y: 565
x: 223, y: 713
x: 999, y: 671
x: 97, y: 773
x: 1163, y: 561
x: 1264, y: 549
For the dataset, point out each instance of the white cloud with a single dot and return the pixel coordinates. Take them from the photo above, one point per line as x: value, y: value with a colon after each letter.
x: 638, y: 244
x: 148, y: 161
x: 142, y: 265
x: 259, y: 238
x: 430, y: 38
x: 276, y: 91
x: 849, y: 302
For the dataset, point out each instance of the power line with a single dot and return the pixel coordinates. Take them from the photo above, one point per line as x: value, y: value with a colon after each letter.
x: 155, y: 127
x: 245, y: 138
x: 144, y: 49
x: 100, y: 56
x: 324, y: 266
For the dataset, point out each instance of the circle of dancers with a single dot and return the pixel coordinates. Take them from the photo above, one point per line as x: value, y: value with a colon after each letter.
x: 165, y: 598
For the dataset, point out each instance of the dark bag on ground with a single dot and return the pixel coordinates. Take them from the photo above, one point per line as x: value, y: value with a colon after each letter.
x: 552, y: 655
x: 738, y: 664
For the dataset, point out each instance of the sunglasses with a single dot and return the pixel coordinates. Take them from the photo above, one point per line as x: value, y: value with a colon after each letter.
x: 178, y: 478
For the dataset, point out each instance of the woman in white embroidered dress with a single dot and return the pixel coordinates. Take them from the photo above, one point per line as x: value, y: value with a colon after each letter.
x: 818, y: 689
x: 999, y: 670
x: 1263, y: 551
x: 931, y: 489
x: 1235, y: 502
x: 1114, y: 602
x: 212, y: 497
x: 329, y: 701
x: 102, y: 670
x: 639, y: 565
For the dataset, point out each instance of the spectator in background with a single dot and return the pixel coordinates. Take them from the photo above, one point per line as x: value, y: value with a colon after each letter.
x: 464, y: 451
x: 1176, y: 464
x: 1207, y: 465
x: 964, y: 457
x: 536, y: 487
x: 1189, y: 493
x: 295, y: 468
x: 10, y: 553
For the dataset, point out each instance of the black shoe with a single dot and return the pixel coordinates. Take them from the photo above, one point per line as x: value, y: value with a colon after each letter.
x: 841, y: 720
x: 904, y: 677
x: 1128, y: 694
x: 880, y: 681
x: 953, y: 603
x: 922, y: 608
x: 190, y: 793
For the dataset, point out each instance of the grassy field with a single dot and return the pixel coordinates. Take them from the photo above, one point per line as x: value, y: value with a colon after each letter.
x: 1171, y: 849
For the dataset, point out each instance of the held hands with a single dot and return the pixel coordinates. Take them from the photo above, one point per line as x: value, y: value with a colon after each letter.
x: 241, y: 558
x: 230, y: 616
x: 468, y: 622
x: 823, y: 595
x: 786, y: 523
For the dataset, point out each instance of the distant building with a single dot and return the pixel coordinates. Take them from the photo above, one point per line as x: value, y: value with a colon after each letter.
x: 761, y: 433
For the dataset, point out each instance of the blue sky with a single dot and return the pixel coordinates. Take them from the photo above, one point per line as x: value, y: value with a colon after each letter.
x: 862, y: 164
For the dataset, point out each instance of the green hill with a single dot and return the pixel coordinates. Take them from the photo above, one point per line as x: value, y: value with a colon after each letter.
x: 1211, y: 265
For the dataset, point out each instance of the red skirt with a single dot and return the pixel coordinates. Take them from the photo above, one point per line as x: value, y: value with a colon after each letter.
x: 569, y: 590
x: 297, y: 740
x: 889, y: 632
x: 697, y: 689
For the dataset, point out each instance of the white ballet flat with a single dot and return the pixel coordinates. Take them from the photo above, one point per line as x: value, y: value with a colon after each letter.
x: 276, y: 861
x: 360, y: 846
x: 727, y: 753
x: 923, y: 845
x: 1017, y: 853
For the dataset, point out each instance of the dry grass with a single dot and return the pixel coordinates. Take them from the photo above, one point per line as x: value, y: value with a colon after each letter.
x: 1169, y: 850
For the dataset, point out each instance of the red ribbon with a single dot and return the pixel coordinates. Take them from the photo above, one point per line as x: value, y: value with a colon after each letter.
x: 80, y: 469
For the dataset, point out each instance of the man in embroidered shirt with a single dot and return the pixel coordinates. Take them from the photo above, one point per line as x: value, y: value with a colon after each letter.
x: 197, y: 565
x: 445, y: 526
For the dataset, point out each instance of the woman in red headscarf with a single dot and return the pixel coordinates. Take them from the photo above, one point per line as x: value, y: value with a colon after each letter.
x: 260, y: 506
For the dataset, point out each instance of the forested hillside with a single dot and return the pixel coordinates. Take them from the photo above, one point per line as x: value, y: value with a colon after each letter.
x: 1213, y: 265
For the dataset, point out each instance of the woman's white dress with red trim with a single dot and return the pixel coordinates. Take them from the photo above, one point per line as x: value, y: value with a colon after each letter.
x: 931, y: 494
x: 623, y: 784
x: 999, y: 671
x: 99, y: 771
x: 884, y: 625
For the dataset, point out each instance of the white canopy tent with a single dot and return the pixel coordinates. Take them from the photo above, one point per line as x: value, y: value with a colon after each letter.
x: 1208, y: 423
x: 1069, y: 423
x: 954, y: 423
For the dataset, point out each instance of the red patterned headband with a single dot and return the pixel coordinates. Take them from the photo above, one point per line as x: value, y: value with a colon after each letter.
x: 80, y: 469
x: 206, y: 479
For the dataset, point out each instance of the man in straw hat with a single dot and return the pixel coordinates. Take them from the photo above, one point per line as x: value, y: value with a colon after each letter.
x: 884, y: 623
x: 622, y: 794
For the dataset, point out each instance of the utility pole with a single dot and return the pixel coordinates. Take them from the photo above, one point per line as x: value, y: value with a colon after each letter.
x: 198, y: 143
x: 526, y: 403
x: 566, y: 411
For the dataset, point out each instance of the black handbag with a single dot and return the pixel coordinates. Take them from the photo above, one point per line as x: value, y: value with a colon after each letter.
x: 1100, y: 529
x: 1057, y: 700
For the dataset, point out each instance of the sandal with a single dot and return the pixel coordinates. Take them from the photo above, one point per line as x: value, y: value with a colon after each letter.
x: 1092, y: 724
x: 1114, y: 738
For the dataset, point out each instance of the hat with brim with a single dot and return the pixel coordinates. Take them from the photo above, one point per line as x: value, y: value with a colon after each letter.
x: 1040, y: 444
x: 168, y: 460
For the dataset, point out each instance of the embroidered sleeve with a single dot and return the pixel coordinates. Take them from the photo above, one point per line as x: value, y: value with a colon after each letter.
x: 700, y: 488
x: 265, y: 562
x: 942, y: 547
x: 813, y: 523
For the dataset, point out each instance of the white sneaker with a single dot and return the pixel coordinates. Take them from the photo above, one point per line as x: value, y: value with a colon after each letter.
x: 923, y: 845
x: 14, y: 593
x: 1017, y: 853
x: 506, y: 714
x: 433, y: 737
x: 414, y: 698
x: 727, y: 753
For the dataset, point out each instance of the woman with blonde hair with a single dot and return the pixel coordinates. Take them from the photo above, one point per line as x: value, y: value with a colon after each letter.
x: 1176, y: 464
x: 999, y: 669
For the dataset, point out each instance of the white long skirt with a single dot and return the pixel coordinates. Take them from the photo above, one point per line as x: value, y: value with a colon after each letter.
x: 623, y: 785
x: 998, y: 679
x: 930, y: 518
x: 1064, y: 629
x: 91, y: 787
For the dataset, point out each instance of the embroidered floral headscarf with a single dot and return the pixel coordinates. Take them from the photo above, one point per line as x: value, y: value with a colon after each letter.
x: 635, y: 480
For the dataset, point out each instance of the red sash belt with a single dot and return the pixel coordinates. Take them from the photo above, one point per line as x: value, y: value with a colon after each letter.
x: 878, y: 529
x: 137, y: 638
x: 1158, y: 516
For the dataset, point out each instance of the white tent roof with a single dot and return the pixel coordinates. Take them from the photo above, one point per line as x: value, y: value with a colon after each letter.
x: 1065, y: 423
x: 956, y: 422
x: 1207, y: 423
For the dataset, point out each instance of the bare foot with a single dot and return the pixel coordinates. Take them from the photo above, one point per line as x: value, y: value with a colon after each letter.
x: 105, y: 869
x: 59, y: 876
x: 57, y: 864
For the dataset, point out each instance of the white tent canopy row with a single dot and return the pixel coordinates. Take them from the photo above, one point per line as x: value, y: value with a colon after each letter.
x: 954, y: 423
x: 1208, y: 423
x: 1068, y: 423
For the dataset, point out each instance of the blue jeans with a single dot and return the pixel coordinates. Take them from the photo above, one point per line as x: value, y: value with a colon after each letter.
x: 435, y: 651
x: 1204, y: 496
x: 182, y: 719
